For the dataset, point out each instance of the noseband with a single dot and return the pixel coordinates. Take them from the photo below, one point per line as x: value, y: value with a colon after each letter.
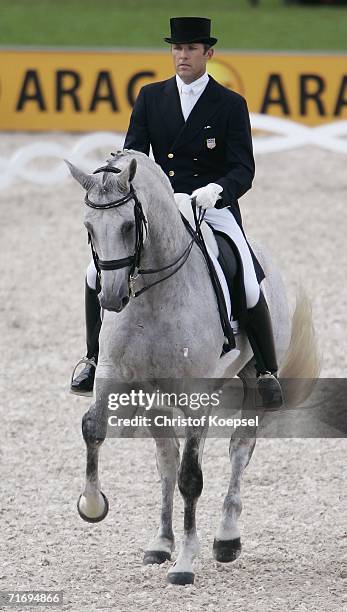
x: 133, y: 261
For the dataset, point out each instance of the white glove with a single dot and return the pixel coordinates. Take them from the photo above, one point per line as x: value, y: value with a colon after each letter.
x: 206, y: 197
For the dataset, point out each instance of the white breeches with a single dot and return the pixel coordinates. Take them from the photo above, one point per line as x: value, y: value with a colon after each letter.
x: 91, y: 275
x: 222, y: 220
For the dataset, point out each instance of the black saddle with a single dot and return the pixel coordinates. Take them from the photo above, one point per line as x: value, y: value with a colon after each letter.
x: 231, y: 264
x: 229, y: 341
x: 227, y: 259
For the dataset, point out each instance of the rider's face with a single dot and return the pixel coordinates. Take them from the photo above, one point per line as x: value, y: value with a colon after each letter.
x: 190, y: 60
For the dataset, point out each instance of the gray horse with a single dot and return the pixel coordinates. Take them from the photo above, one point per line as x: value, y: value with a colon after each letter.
x: 172, y: 331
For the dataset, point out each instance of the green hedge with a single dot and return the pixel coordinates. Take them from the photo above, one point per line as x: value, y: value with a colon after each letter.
x: 127, y: 23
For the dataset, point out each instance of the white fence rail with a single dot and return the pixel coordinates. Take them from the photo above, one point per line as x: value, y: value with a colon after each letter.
x: 276, y: 135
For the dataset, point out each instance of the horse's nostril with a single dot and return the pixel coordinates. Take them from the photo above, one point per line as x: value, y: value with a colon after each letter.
x: 125, y: 300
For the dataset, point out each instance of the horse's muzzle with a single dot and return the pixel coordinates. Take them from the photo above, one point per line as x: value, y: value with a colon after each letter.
x: 116, y: 304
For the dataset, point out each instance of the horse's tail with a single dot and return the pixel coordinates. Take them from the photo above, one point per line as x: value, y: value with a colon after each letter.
x: 302, y: 360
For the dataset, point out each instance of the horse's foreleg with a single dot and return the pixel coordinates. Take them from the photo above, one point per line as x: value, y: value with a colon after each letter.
x: 92, y: 504
x: 190, y: 483
x: 167, y: 456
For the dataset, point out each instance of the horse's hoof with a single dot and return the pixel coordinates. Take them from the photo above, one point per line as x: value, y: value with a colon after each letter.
x: 156, y: 556
x: 180, y: 578
x: 226, y: 551
x: 93, y: 519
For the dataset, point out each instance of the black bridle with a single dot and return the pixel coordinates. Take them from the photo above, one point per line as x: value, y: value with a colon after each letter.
x: 133, y: 261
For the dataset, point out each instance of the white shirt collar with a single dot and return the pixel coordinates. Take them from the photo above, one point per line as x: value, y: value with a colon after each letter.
x: 197, y: 86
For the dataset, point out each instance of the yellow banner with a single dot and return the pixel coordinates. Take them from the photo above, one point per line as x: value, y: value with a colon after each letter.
x: 95, y: 90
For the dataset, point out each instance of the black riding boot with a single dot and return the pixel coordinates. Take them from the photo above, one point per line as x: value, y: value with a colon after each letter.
x: 84, y: 382
x: 259, y: 331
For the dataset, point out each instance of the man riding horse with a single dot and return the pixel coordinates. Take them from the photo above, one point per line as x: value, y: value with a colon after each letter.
x: 200, y: 136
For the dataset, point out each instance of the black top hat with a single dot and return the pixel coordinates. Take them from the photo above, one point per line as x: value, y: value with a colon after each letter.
x: 189, y: 30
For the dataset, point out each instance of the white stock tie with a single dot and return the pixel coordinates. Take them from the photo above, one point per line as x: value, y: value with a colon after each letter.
x: 187, y: 100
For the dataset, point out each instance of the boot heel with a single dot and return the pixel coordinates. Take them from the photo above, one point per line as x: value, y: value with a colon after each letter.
x: 269, y: 392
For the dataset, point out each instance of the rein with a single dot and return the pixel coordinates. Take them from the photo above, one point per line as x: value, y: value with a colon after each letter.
x: 133, y: 261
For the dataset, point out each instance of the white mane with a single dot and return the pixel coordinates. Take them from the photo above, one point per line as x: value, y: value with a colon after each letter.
x: 144, y: 162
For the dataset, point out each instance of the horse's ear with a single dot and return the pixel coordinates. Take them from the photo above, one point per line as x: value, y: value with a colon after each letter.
x: 132, y: 169
x: 127, y: 175
x: 86, y: 180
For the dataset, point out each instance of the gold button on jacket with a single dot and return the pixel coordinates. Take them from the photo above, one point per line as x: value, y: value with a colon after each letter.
x: 171, y: 173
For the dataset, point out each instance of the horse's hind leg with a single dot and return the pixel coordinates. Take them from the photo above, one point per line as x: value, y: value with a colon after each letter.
x: 92, y: 504
x: 167, y: 456
x: 227, y: 543
x: 190, y: 483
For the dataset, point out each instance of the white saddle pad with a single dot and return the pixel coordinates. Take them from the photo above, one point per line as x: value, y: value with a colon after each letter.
x: 184, y: 205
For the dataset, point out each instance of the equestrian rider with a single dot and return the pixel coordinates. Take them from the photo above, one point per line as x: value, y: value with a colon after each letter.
x: 201, y: 137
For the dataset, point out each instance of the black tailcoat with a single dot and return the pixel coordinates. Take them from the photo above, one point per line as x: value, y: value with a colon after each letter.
x: 219, y: 119
x: 214, y: 145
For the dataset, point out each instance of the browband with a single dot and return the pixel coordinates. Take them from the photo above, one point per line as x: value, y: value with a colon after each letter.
x: 129, y: 196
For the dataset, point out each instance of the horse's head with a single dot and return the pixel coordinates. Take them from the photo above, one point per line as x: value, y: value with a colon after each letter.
x: 116, y: 225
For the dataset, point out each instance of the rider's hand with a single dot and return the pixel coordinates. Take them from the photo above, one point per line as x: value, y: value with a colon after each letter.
x: 206, y: 197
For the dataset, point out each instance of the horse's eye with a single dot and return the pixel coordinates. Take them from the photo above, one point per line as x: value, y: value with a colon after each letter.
x: 127, y: 227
